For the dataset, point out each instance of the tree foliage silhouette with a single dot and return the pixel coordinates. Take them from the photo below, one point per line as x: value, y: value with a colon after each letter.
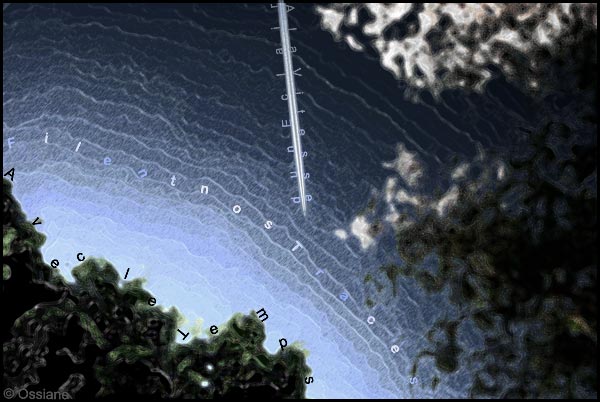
x: 94, y: 337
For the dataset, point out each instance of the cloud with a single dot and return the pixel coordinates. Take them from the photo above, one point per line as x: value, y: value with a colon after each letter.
x: 450, y: 45
x: 501, y: 172
x: 409, y: 169
x: 341, y: 233
x: 406, y: 165
x: 360, y: 228
x: 460, y: 171
x: 402, y: 197
x: 447, y: 200
x: 392, y: 216
x: 390, y: 188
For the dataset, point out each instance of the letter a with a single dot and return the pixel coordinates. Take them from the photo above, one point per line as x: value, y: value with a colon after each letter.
x: 10, y: 173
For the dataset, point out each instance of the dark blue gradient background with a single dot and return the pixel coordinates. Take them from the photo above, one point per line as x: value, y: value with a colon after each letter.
x: 190, y: 91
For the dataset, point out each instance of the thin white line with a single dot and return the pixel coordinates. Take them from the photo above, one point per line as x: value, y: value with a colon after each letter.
x: 291, y: 96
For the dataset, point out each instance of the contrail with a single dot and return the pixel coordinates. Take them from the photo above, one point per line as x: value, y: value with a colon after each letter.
x: 291, y: 98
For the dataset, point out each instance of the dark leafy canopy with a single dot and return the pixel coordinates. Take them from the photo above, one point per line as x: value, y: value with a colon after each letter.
x: 519, y: 255
x: 96, y: 338
x: 520, y: 260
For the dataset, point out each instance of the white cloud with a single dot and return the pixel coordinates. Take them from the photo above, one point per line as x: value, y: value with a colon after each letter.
x: 501, y: 173
x: 406, y: 165
x: 460, y: 171
x: 384, y: 15
x: 331, y: 19
x: 354, y: 44
x: 404, y: 198
x: 415, y: 49
x: 392, y: 216
x: 446, y: 201
x: 390, y: 188
x: 341, y: 233
x: 360, y: 229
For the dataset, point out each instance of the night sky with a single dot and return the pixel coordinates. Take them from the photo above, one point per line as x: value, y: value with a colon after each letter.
x: 190, y: 92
